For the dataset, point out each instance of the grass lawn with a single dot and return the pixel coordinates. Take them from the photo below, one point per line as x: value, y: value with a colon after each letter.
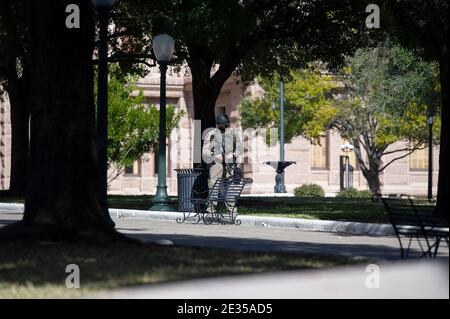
x: 355, y: 210
x: 38, y: 270
x: 327, y: 208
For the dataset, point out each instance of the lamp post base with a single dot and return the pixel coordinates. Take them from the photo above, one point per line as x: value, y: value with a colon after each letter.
x: 161, y: 202
x: 280, y: 187
x: 279, y: 166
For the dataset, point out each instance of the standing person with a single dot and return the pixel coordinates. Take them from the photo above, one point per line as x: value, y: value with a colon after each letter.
x: 221, y: 150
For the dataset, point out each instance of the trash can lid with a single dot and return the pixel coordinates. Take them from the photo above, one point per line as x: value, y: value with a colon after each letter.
x: 189, y: 170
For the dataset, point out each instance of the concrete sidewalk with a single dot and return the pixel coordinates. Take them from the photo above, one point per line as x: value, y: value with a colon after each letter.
x: 418, y: 280
x: 251, y: 238
x: 354, y: 228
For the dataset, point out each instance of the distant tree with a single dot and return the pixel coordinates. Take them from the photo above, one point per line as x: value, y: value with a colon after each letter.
x: 308, y: 106
x: 133, y: 126
x: 390, y: 92
x: 424, y: 25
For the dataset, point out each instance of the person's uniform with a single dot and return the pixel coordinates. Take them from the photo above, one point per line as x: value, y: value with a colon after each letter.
x: 221, y: 151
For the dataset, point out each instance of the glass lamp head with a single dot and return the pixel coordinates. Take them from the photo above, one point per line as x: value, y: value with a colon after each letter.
x: 163, y: 46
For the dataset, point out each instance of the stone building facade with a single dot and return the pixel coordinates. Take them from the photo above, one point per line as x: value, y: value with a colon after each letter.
x: 5, y: 140
x: 316, y: 163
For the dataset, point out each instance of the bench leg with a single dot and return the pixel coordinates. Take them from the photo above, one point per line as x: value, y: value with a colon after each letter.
x: 180, y: 221
x: 409, y: 246
x: 436, y: 248
x: 428, y: 252
x: 402, y: 253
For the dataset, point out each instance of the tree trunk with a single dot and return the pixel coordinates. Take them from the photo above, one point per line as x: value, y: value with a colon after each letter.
x: 443, y: 194
x: 372, y: 173
x: 373, y: 179
x: 205, y: 97
x: 61, y: 199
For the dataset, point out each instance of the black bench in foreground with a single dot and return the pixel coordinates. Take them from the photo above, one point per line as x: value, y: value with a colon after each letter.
x: 416, y: 222
x: 220, y: 204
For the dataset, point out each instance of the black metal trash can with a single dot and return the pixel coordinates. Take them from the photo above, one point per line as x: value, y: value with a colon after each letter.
x: 186, y: 178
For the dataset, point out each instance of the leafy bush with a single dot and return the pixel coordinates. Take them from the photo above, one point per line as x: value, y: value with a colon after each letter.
x: 309, y: 190
x: 354, y: 193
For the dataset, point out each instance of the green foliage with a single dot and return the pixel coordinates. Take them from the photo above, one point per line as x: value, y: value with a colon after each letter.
x: 251, y: 37
x: 391, y: 92
x: 309, y: 190
x: 133, y: 128
x: 411, y: 22
x: 354, y: 193
x: 308, y: 104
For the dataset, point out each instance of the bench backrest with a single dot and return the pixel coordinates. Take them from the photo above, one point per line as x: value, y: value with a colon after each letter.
x: 227, y: 189
x: 401, y: 212
x: 407, y: 216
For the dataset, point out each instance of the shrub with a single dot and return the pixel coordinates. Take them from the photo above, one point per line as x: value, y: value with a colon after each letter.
x: 354, y: 193
x: 309, y: 190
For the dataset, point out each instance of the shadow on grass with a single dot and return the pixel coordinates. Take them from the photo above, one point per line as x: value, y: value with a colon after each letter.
x: 38, y: 270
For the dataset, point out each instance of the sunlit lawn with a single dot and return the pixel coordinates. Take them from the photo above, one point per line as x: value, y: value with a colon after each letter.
x: 355, y: 210
x: 327, y: 208
x: 38, y: 271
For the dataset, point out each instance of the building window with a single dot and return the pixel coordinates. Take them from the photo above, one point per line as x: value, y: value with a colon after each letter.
x: 132, y: 169
x: 320, y: 153
x: 418, y: 160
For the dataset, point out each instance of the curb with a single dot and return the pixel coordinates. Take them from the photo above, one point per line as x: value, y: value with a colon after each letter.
x: 12, y: 207
x: 353, y: 228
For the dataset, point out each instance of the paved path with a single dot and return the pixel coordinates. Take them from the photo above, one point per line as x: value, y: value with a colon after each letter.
x: 413, y: 279
x: 422, y: 280
x: 256, y: 238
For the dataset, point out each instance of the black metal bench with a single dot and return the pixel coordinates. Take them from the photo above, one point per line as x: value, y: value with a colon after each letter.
x: 416, y: 222
x: 220, y: 204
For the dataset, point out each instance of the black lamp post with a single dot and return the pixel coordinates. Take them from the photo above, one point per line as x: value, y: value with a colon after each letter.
x: 103, y: 8
x: 430, y: 121
x: 282, y: 126
x: 280, y: 166
x: 163, y: 46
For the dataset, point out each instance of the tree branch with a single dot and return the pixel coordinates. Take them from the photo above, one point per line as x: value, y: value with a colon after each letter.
x: 134, y: 58
x: 418, y: 146
x: 399, y: 157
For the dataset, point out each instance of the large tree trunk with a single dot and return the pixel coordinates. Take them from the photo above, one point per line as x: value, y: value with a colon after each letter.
x: 371, y: 173
x: 204, y: 96
x: 373, y: 180
x: 443, y: 194
x: 61, y: 200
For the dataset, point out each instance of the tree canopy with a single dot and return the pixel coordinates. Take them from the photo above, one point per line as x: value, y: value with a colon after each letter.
x: 308, y: 105
x: 389, y: 92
